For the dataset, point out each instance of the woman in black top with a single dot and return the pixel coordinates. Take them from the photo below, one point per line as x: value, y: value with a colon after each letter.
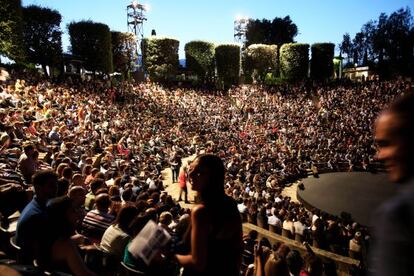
x: 216, y: 234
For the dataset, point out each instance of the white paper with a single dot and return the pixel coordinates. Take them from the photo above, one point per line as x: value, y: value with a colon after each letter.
x: 147, y: 243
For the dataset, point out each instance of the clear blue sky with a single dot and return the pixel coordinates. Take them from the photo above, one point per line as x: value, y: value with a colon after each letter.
x: 186, y: 20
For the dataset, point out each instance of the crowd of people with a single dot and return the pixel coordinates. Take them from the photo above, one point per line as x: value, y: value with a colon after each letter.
x: 107, y: 157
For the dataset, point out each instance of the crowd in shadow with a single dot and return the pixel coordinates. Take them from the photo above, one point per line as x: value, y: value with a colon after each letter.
x: 84, y: 169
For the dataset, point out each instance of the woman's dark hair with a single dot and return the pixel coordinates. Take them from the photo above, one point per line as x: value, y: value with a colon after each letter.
x: 127, y: 194
x: 62, y: 187
x: 265, y: 242
x: 138, y: 223
x: 125, y: 216
x: 216, y: 171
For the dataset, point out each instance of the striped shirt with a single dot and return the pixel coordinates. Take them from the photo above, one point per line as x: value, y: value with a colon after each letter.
x: 95, y: 223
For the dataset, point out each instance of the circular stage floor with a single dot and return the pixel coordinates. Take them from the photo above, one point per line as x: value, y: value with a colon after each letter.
x: 357, y: 193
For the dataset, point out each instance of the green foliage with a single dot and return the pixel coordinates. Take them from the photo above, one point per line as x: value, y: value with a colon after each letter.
x: 386, y: 43
x: 42, y: 35
x: 228, y: 64
x: 11, y: 39
x: 258, y: 60
x: 346, y: 46
x: 199, y: 57
x: 124, y: 52
x: 278, y: 31
x: 92, y: 42
x: 294, y: 61
x: 160, y: 57
x: 271, y: 79
x: 322, y: 60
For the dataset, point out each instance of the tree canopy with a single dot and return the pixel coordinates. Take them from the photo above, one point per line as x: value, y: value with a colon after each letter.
x: 385, y: 42
x: 11, y: 39
x: 42, y: 35
x: 92, y: 42
x: 278, y: 31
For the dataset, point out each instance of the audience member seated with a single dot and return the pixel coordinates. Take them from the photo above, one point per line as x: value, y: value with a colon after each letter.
x: 119, y: 233
x: 98, y: 220
x: 59, y: 252
x: 32, y: 227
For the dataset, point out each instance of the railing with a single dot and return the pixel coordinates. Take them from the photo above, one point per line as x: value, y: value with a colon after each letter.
x: 344, y: 265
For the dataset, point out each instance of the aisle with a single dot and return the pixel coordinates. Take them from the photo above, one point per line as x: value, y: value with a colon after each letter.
x: 173, y: 189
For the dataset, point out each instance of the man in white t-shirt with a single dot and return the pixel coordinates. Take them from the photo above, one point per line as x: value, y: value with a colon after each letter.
x: 274, y: 220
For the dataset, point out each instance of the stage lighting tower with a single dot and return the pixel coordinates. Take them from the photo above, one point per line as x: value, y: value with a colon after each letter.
x: 135, y: 20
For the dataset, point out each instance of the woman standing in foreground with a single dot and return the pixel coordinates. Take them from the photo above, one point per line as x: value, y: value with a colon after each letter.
x: 216, y: 234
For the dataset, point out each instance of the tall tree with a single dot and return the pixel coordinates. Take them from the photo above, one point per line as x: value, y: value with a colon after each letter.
x: 358, y: 49
x: 346, y: 46
x: 124, y: 52
x: 379, y: 43
x: 278, y: 31
x: 92, y: 42
x: 387, y: 44
x: 368, y: 29
x: 42, y: 36
x: 11, y: 39
x: 256, y: 31
x: 283, y: 30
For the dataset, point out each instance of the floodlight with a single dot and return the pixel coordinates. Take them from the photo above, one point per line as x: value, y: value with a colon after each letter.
x: 134, y: 4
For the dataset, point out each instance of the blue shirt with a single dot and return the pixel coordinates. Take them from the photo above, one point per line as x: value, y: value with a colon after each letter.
x: 30, y: 230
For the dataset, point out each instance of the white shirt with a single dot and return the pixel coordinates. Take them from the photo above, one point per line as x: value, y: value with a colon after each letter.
x: 242, y: 208
x: 288, y: 225
x: 274, y: 220
x: 299, y: 227
x: 114, y: 241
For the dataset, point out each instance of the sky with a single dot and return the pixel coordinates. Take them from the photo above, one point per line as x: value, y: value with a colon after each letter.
x: 213, y: 20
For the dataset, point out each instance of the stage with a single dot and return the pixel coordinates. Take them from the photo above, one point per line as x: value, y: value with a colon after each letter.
x: 357, y: 193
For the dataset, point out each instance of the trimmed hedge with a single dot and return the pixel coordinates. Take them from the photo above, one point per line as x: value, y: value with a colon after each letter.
x: 294, y: 61
x: 228, y: 64
x: 199, y: 56
x: 322, y: 60
x: 123, y: 52
x: 160, y: 56
x: 92, y: 42
x: 258, y: 60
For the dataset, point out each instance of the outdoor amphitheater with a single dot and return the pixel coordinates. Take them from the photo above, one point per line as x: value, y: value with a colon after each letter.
x: 263, y: 156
